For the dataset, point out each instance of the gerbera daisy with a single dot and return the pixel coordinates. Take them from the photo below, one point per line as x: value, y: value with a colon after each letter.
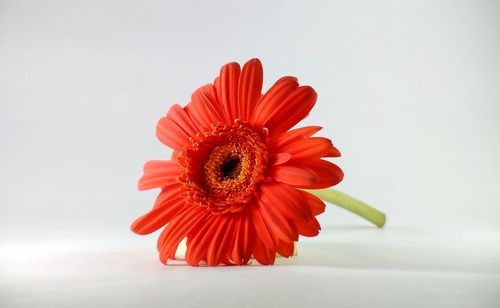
x: 234, y: 185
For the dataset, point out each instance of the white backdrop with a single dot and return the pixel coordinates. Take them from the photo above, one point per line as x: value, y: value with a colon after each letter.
x: 408, y: 91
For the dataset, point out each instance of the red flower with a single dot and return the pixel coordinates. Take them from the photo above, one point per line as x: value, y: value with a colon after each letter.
x: 232, y: 187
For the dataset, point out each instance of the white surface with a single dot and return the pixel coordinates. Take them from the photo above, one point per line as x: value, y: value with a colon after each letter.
x: 346, y: 267
x: 408, y: 91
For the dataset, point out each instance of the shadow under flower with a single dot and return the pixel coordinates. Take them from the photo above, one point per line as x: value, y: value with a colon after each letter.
x: 399, y: 249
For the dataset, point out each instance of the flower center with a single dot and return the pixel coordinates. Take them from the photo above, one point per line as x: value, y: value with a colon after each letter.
x: 222, y: 168
x: 231, y: 168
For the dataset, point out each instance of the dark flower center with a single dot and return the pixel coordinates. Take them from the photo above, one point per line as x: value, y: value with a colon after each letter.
x: 231, y: 168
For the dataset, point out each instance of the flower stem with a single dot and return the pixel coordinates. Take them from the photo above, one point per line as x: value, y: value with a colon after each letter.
x: 351, y: 204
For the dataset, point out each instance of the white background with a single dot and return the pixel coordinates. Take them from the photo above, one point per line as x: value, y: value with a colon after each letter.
x: 408, y: 91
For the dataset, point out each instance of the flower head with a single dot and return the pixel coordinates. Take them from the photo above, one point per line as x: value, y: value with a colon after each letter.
x: 233, y: 185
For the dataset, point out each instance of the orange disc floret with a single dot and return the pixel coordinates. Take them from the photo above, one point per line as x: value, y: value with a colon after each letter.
x: 222, y: 168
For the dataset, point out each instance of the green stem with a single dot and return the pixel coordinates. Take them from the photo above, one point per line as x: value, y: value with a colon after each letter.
x: 351, y: 204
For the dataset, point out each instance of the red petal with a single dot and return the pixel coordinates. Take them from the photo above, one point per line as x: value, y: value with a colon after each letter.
x: 316, y: 204
x: 227, y: 90
x: 282, y: 140
x: 175, y: 154
x: 263, y: 254
x: 294, y: 175
x: 311, y: 148
x: 278, y: 225
x: 235, y: 254
x: 261, y: 228
x: 221, y: 240
x: 159, y: 173
x: 158, y: 217
x: 198, y: 242
x: 179, y: 116
x: 316, y: 174
x: 285, y: 249
x: 280, y: 158
x: 286, y: 199
x: 204, y: 108
x: 171, y: 134
x: 285, y: 113
x: 175, y: 129
x: 309, y: 228
x: 297, y: 107
x: 244, y: 240
x: 178, y: 229
x: 328, y: 173
x: 272, y: 99
x: 250, y: 87
x: 167, y: 193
